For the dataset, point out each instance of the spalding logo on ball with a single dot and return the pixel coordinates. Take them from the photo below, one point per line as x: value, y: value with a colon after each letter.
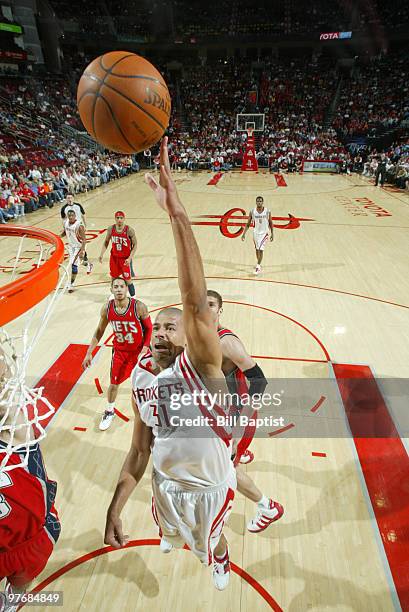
x: 123, y: 102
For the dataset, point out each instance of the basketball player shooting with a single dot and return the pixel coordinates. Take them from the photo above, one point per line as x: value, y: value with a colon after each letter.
x: 74, y: 230
x: 132, y: 329
x: 261, y: 217
x: 193, y: 479
x: 122, y: 250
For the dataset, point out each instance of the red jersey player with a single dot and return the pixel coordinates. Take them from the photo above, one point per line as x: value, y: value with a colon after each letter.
x: 132, y: 329
x: 239, y: 367
x: 29, y: 525
x: 123, y: 249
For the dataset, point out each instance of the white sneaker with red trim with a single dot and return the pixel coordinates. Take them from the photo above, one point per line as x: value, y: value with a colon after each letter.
x: 265, y: 516
x: 221, y: 572
x: 246, y: 457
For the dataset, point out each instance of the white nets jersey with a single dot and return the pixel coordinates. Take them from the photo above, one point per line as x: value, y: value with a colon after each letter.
x: 72, y: 233
x: 260, y: 220
x: 193, y: 455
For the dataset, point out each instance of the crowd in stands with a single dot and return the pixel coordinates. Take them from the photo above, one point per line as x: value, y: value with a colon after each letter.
x: 39, y: 164
x: 182, y: 20
x: 376, y: 98
x: 244, y: 19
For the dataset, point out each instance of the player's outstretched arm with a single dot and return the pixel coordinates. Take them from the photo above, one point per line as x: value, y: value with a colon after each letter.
x: 99, y: 332
x: 202, y: 339
x: 106, y: 243
x: 132, y: 471
x: 247, y: 226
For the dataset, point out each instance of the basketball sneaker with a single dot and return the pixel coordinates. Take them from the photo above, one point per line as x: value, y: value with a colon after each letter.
x: 221, y: 571
x: 265, y: 516
x: 257, y: 269
x: 106, y: 420
x: 90, y: 267
x: 165, y: 546
x: 246, y: 457
x: 70, y: 289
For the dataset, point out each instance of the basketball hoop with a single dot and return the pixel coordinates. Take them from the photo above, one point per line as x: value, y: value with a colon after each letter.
x: 34, y: 292
x: 250, y: 132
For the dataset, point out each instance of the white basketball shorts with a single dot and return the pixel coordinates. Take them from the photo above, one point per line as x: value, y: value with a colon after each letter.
x: 73, y: 252
x: 260, y: 241
x: 195, y: 518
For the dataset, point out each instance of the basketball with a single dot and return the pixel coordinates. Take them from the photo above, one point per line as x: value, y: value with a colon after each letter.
x: 123, y: 102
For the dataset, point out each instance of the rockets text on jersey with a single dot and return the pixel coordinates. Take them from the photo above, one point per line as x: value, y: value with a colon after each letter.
x: 192, y: 443
x: 141, y: 378
x: 121, y: 242
x: 127, y: 327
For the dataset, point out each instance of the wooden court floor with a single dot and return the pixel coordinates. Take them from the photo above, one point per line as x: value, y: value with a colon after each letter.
x: 333, y: 295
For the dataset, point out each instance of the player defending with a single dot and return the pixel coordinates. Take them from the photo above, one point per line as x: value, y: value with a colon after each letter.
x: 237, y: 366
x: 80, y: 214
x: 122, y: 250
x: 29, y: 525
x: 132, y: 329
x: 74, y: 230
x: 261, y: 217
x: 193, y: 478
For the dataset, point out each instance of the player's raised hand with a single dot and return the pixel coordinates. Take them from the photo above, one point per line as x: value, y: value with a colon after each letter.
x: 113, y: 532
x: 165, y: 190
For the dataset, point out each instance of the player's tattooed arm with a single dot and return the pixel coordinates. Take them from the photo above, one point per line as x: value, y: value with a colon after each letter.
x: 247, y: 226
x: 105, y: 243
x: 99, y: 332
x: 132, y: 471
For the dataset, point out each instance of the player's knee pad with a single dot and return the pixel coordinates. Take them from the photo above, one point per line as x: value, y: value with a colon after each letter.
x: 131, y: 290
x: 74, y: 268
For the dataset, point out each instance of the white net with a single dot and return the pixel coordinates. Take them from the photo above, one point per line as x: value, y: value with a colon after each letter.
x: 24, y: 409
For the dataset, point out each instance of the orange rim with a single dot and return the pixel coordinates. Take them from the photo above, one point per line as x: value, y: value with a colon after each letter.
x: 22, y: 294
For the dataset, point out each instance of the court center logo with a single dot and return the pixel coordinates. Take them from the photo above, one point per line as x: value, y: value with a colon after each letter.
x: 238, y: 217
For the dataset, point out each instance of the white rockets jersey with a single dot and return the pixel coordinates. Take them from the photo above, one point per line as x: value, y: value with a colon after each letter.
x: 260, y: 221
x: 141, y: 378
x: 194, y: 456
x: 72, y: 233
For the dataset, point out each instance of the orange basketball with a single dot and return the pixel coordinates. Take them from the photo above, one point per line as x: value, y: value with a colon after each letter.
x: 123, y: 102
